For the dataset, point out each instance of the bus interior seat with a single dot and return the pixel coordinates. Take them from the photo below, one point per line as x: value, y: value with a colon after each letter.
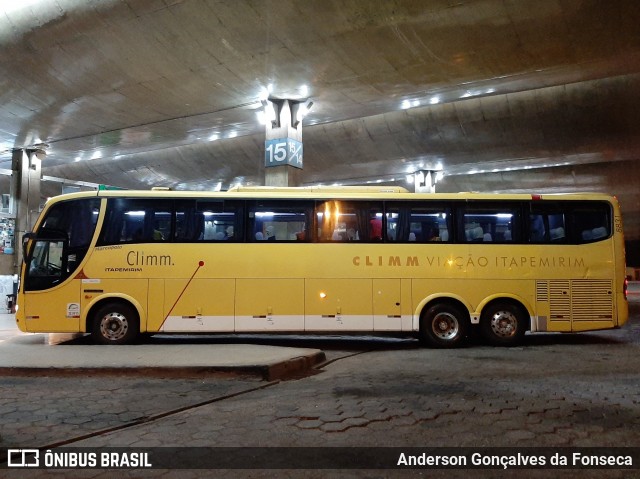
x: 600, y: 232
x: 209, y: 232
x: 486, y: 237
x: 556, y: 233
x: 476, y: 234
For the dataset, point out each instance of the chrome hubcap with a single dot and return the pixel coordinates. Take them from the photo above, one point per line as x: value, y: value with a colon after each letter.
x: 504, y: 324
x: 114, y: 326
x: 445, y: 326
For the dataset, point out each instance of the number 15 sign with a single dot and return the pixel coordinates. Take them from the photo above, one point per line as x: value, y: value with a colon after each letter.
x: 283, y: 151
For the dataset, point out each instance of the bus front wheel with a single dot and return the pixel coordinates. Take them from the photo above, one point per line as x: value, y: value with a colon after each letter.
x: 444, y: 325
x: 115, y: 323
x: 503, y: 324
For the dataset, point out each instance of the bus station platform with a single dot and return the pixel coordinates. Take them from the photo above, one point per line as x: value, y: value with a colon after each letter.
x: 50, y: 354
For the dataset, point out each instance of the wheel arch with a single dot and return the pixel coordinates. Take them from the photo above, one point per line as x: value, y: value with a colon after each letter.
x: 98, y: 302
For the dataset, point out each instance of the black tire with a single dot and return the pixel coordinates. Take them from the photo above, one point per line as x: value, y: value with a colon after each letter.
x: 504, y: 324
x: 444, y: 325
x: 115, y: 323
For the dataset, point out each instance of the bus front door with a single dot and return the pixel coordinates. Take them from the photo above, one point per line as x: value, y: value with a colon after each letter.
x: 51, y: 300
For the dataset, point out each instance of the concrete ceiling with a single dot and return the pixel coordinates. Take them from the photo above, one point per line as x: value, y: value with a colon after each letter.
x: 501, y: 95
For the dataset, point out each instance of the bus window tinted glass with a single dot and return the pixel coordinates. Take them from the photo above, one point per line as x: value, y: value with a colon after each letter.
x: 131, y: 220
x: 280, y: 221
x: 207, y: 221
x: 75, y: 220
x: 489, y: 224
x: 592, y: 222
x: 418, y: 223
x: 349, y: 221
x: 547, y: 224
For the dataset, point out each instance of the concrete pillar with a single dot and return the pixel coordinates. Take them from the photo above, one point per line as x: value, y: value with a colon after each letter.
x: 425, y: 181
x: 283, y: 142
x: 25, y: 190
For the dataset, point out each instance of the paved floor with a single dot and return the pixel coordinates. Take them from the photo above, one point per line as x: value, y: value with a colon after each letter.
x: 555, y: 391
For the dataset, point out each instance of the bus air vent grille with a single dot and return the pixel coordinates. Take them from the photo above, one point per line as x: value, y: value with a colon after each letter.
x: 560, y: 299
x: 542, y: 291
x: 591, y: 299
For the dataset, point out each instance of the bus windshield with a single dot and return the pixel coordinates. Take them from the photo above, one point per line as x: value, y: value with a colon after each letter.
x: 60, y: 242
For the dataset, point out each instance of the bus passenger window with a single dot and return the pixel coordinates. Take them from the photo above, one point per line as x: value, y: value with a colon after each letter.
x: 135, y: 220
x: 417, y: 222
x: 279, y: 220
x: 546, y: 223
x: 351, y: 221
x: 206, y: 220
x: 592, y: 223
x: 490, y: 224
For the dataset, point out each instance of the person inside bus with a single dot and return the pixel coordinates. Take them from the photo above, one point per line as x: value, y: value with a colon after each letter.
x: 228, y: 233
x: 376, y: 229
x: 432, y: 233
x: 270, y: 235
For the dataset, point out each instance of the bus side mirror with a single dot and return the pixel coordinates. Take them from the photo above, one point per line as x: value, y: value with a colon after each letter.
x: 25, y: 239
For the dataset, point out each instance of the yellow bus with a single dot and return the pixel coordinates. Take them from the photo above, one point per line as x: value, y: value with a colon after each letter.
x: 118, y: 264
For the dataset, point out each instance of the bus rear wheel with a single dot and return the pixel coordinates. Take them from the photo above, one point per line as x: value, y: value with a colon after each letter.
x: 503, y: 324
x: 444, y: 325
x: 115, y: 323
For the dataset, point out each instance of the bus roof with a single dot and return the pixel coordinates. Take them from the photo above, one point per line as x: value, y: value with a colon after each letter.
x: 333, y: 192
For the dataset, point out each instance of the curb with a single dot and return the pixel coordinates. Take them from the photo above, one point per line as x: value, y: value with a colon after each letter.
x: 268, y: 372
